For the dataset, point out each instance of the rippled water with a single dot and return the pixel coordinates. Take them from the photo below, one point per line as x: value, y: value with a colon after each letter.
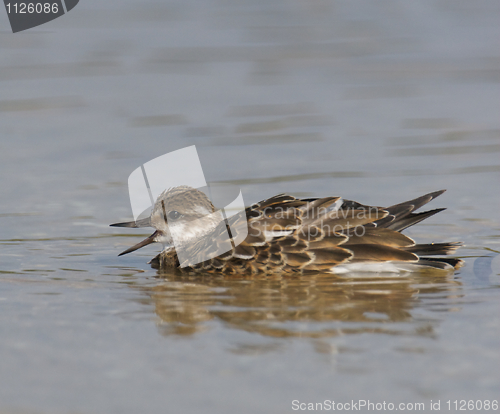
x: 377, y: 102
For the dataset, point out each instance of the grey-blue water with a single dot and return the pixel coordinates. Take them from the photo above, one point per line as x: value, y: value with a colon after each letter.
x: 377, y: 102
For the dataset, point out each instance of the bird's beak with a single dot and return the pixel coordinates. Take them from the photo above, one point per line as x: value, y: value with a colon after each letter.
x: 134, y: 224
x: 145, y: 242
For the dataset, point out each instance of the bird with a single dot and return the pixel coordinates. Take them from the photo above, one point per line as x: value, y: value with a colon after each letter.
x: 285, y: 234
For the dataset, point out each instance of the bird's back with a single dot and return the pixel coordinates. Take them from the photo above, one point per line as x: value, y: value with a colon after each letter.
x: 286, y: 234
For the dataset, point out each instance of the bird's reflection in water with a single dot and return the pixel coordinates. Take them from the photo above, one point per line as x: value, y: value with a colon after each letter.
x: 314, y: 305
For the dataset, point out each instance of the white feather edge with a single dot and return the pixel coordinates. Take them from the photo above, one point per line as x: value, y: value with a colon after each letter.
x: 388, y: 268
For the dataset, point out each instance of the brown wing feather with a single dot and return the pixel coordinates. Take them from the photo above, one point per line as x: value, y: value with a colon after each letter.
x: 348, y: 219
x: 277, y: 199
x: 376, y: 253
x: 380, y: 236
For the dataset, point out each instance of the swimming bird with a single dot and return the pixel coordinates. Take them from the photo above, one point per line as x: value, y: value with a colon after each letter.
x: 285, y: 234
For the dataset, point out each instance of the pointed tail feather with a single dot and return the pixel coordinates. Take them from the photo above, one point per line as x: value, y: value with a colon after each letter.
x: 416, y: 202
x: 401, y: 215
x: 401, y: 223
x: 434, y: 249
x: 440, y: 262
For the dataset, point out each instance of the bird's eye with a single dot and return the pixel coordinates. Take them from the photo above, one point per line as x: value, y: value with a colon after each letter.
x: 173, y: 215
